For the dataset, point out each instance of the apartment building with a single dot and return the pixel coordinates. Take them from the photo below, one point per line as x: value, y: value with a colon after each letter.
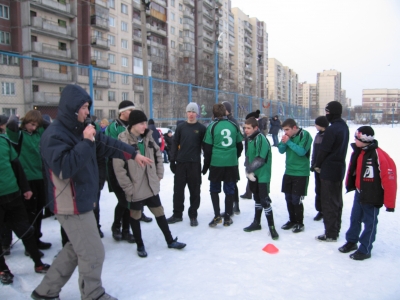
x: 307, y: 97
x: 282, y: 83
x: 329, y: 86
x: 381, y: 99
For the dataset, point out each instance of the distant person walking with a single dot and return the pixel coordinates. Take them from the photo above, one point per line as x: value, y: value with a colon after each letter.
x: 275, y: 126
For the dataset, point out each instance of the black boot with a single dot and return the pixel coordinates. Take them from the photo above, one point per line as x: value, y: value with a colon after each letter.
x: 256, y: 225
x: 273, y: 232
x: 126, y: 236
x: 137, y: 233
x: 299, y: 215
x: 116, y: 233
x: 163, y: 225
x: 215, y: 203
x: 236, y: 209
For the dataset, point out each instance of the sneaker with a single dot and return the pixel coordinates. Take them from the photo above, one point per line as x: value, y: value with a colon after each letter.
x: 6, y: 277
x: 36, y: 296
x: 42, y: 269
x: 141, y: 251
x: 359, y: 255
x: 228, y: 222
x: 28, y: 254
x: 145, y: 219
x: 43, y: 245
x: 319, y: 216
x: 215, y: 221
x: 193, y: 222
x: 106, y: 296
x: 116, y: 233
x: 273, y: 232
x: 6, y: 250
x: 101, y: 233
x: 288, y: 225
x: 173, y: 220
x: 126, y: 236
x: 176, y: 245
x: 324, y: 238
x: 349, y: 246
x: 252, y: 227
x: 244, y: 196
x: 298, y: 228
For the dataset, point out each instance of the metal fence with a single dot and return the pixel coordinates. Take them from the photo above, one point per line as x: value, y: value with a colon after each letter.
x: 36, y: 83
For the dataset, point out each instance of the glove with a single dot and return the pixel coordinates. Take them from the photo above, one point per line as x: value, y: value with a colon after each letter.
x: 318, y: 170
x: 390, y: 209
x: 204, y: 171
x: 312, y: 168
x: 172, y: 166
x: 251, y: 176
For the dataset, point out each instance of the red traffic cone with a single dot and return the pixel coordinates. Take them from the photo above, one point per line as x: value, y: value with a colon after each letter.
x: 271, y: 249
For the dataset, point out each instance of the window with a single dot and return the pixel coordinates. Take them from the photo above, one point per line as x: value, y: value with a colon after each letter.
x: 111, y: 21
x: 124, y: 44
x: 124, y: 26
x: 180, y: 7
x: 172, y: 16
x: 9, y: 111
x: 180, y: 33
x: 98, y: 113
x: 4, y: 12
x: 180, y: 21
x: 8, y: 88
x: 62, y: 46
x: 173, y: 3
x: 111, y: 58
x: 124, y: 61
x: 111, y: 3
x: 62, y: 23
x: 173, y: 30
x: 112, y: 114
x: 111, y: 39
x: 124, y: 8
x: 125, y: 79
x: 125, y: 96
x: 111, y: 76
x: 8, y: 60
x: 98, y: 34
x: 97, y: 95
x: 111, y: 96
x: 35, y: 88
x: 4, y: 37
x: 173, y: 44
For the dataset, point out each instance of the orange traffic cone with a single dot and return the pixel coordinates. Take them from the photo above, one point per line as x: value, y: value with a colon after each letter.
x: 271, y: 249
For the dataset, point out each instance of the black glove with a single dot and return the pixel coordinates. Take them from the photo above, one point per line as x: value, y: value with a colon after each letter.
x: 312, y: 168
x: 204, y: 171
x: 390, y: 209
x: 172, y: 166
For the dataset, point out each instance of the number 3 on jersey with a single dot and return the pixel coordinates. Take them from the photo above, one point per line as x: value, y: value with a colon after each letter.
x: 226, y: 133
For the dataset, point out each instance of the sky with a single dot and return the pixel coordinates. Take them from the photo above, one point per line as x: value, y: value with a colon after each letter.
x: 228, y: 263
x: 359, y: 38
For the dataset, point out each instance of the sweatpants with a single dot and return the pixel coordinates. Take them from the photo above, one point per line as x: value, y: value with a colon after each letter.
x: 332, y: 206
x: 85, y: 250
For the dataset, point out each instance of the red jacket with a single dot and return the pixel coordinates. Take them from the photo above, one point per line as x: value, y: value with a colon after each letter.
x: 162, y: 143
x: 378, y: 176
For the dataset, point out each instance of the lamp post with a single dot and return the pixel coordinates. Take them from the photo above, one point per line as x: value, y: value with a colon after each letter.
x: 392, y: 114
x: 216, y: 65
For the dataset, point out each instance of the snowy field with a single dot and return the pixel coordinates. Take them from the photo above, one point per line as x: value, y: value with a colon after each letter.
x: 228, y: 263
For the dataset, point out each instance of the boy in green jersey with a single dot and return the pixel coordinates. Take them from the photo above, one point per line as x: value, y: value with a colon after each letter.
x: 258, y: 171
x: 296, y: 143
x: 222, y: 147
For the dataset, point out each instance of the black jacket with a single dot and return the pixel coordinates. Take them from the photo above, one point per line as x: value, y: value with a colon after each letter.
x: 275, y: 126
x: 168, y: 141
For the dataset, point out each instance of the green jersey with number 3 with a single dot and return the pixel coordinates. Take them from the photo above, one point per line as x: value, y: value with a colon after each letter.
x: 223, y: 135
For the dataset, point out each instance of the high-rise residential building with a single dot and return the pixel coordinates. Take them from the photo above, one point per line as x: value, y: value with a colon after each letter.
x: 384, y: 100
x: 329, y: 86
x: 282, y: 83
x: 260, y: 57
x: 307, y: 97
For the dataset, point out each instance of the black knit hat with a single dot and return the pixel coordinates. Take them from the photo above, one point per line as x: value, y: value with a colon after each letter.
x: 322, y: 121
x: 228, y: 106
x: 365, y: 134
x: 150, y: 122
x: 125, y: 105
x: 334, y: 108
x: 136, y: 117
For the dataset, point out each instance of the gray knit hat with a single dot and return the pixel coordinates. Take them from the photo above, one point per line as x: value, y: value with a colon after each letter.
x: 192, y: 106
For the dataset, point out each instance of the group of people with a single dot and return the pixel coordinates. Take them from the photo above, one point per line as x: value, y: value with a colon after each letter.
x: 128, y: 153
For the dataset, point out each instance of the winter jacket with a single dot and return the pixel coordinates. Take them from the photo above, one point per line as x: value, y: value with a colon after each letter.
x: 162, y: 143
x: 138, y: 182
x: 70, y: 161
x: 332, y: 155
x: 378, y: 182
x: 259, y: 157
x: 275, y: 126
x: 29, y: 154
x: 317, y: 144
x: 156, y: 134
x: 168, y: 141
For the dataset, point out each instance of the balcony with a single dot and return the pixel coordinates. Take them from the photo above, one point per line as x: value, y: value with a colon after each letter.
x: 208, y: 26
x: 58, y: 8
x: 248, y: 78
x: 51, y: 75
x: 103, y: 3
x: 101, y: 82
x: 218, y: 2
x: 136, y: 22
x: 138, y: 88
x: 137, y: 38
x: 51, y: 29
x: 50, y: 50
x: 160, y: 2
x: 209, y: 3
x: 247, y: 44
x: 208, y: 37
x: 99, y: 22
x: 188, y: 27
x: 100, y: 43
x: 208, y: 14
x: 188, y: 14
x: 42, y: 97
x: 99, y: 62
x: 219, y: 12
x: 157, y: 29
x: 189, y: 2
x: 231, y: 52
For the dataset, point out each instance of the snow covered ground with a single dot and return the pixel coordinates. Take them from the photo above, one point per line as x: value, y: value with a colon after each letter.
x: 228, y: 263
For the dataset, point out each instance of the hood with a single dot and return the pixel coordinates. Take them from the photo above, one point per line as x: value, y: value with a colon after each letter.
x: 72, y: 99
